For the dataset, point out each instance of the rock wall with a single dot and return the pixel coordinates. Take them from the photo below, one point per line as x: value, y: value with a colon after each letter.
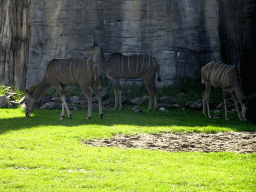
x: 14, y: 41
x: 183, y: 35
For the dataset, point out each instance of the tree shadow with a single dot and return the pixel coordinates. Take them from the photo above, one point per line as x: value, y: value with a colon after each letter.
x: 193, y: 120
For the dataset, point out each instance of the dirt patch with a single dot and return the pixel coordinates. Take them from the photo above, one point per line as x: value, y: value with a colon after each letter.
x: 238, y: 142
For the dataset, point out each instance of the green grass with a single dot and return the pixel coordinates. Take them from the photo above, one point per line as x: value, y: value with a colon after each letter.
x: 42, y: 153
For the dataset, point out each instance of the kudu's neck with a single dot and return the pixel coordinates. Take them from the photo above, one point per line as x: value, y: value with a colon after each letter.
x: 239, y: 92
x: 41, y: 88
x: 99, y: 59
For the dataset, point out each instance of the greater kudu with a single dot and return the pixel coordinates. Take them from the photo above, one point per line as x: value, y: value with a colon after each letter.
x: 62, y: 72
x: 226, y: 77
x: 119, y: 66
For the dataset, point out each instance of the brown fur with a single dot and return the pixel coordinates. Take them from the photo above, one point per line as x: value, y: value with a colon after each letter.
x: 226, y: 77
x: 62, y: 72
x: 120, y: 66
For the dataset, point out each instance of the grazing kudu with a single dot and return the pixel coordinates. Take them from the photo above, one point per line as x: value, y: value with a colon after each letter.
x: 226, y: 77
x: 119, y: 66
x: 62, y: 72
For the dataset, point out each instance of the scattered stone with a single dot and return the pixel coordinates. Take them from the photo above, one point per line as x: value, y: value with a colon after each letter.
x: 194, y: 104
x: 180, y: 95
x: 136, y: 110
x: 12, y: 104
x: 49, y: 105
x: 163, y: 109
x: 137, y: 101
x: 3, y: 101
x: 74, y: 99
x: 145, y: 98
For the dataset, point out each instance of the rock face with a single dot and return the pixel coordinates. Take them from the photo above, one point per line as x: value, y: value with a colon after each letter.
x: 182, y: 35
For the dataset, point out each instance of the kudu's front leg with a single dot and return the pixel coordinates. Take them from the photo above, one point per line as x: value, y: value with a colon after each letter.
x: 225, y: 103
x: 98, y: 95
x: 206, y: 100
x: 118, y: 96
x: 89, y: 100
x: 237, y: 108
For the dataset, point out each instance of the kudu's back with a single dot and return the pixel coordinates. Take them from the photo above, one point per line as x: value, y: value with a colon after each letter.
x: 72, y: 71
x: 220, y: 75
x: 132, y: 66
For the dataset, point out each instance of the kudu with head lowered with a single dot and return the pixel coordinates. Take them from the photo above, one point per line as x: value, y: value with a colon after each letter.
x: 62, y: 72
x: 226, y: 77
x: 119, y: 66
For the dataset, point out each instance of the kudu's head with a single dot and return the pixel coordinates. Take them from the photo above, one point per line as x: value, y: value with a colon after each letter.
x: 244, y: 108
x: 95, y: 50
x: 29, y: 102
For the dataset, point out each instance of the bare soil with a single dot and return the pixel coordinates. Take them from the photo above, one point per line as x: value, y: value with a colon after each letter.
x: 238, y: 142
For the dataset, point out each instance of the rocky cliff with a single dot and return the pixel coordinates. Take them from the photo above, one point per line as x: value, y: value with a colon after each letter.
x: 183, y: 35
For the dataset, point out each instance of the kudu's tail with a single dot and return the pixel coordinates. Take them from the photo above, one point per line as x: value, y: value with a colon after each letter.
x: 157, y: 70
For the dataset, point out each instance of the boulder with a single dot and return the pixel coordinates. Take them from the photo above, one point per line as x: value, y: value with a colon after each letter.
x: 12, y: 104
x: 145, y: 98
x: 137, y: 101
x: 49, y: 105
x: 74, y: 99
x: 3, y: 101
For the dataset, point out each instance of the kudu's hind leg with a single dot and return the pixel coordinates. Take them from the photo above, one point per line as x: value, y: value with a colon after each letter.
x: 98, y: 95
x: 118, y: 96
x: 89, y: 100
x: 151, y: 87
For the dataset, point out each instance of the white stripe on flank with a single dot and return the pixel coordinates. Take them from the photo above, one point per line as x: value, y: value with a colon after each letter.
x: 220, y: 71
x: 77, y: 71
x: 87, y: 63
x: 212, y: 71
x: 129, y: 64
x: 60, y: 69
x: 225, y: 75
x: 123, y: 64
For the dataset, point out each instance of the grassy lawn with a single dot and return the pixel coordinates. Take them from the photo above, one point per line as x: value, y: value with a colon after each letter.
x: 42, y: 153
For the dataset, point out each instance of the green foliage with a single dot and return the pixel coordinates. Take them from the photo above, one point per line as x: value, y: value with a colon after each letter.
x: 4, y: 90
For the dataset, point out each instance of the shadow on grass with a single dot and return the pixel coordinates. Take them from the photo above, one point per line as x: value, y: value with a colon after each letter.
x: 190, y: 120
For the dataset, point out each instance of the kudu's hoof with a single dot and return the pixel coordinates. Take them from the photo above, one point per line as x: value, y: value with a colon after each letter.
x: 70, y: 117
x: 62, y: 117
x: 101, y: 116
x: 88, y: 117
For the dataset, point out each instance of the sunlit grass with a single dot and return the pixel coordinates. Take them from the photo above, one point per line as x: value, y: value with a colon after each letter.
x: 43, y: 153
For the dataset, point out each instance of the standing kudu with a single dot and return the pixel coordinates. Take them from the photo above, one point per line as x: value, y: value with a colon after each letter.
x: 227, y: 77
x: 120, y: 66
x: 62, y: 72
